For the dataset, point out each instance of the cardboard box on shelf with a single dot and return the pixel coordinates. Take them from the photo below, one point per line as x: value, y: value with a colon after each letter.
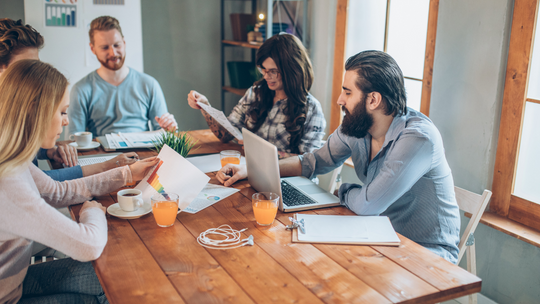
x: 239, y: 24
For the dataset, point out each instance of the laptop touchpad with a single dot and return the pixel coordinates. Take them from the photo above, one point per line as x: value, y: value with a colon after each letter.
x: 311, y: 189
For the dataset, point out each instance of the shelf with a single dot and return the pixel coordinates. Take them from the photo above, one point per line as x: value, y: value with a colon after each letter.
x: 236, y: 91
x: 241, y: 43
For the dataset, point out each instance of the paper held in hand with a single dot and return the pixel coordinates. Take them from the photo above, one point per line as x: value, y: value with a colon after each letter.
x: 173, y: 174
x: 221, y: 119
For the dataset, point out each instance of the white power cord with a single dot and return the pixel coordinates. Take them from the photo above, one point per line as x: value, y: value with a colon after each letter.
x: 232, y: 238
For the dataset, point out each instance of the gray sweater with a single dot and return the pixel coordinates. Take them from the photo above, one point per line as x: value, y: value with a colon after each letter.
x: 28, y: 202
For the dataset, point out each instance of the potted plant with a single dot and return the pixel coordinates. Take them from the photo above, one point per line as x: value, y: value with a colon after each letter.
x: 180, y: 142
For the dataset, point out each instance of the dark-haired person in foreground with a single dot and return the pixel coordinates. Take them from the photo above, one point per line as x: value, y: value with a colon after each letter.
x: 278, y: 107
x: 398, y: 155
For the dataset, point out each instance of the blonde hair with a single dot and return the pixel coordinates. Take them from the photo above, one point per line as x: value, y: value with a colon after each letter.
x: 31, y: 93
x: 104, y: 23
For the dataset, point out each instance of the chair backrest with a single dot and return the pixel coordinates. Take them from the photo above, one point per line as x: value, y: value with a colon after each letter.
x: 328, y: 181
x: 476, y: 205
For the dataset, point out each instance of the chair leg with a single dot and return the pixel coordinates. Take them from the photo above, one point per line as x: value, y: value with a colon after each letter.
x: 471, y: 259
x: 471, y: 267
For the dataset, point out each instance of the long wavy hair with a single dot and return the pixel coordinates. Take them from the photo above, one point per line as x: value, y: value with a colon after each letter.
x: 32, y: 91
x: 293, y: 63
x: 15, y: 37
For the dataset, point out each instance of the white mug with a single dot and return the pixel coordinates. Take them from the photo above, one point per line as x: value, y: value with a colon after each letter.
x: 130, y: 199
x: 83, y: 139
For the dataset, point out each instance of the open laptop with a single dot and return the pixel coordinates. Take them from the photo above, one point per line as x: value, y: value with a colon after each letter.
x: 295, y: 193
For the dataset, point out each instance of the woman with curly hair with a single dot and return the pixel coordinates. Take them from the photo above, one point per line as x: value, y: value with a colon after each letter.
x: 279, y: 107
x: 18, y: 41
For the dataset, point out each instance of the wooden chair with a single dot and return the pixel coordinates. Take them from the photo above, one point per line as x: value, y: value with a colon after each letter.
x: 476, y: 205
x: 329, y: 181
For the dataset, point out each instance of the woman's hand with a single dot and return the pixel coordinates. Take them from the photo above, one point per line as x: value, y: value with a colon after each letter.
x: 229, y: 174
x: 123, y: 159
x: 195, y: 96
x: 141, y: 168
x: 92, y: 204
x: 63, y: 153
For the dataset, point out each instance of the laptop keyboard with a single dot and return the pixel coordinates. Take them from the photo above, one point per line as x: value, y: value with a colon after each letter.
x: 293, y: 197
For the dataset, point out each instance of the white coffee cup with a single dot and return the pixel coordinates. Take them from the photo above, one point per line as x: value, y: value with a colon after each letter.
x: 130, y: 199
x: 83, y: 139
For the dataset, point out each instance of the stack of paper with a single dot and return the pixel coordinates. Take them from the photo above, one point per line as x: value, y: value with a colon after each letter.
x: 133, y: 140
x: 344, y: 229
x: 95, y: 160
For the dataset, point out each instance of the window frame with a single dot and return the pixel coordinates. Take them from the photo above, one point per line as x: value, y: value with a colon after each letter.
x: 503, y: 202
x: 339, y: 57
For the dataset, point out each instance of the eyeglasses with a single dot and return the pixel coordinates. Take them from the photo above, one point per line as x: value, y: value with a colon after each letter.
x: 272, y: 72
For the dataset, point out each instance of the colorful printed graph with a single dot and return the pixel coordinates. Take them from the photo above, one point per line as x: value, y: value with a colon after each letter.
x: 153, y: 180
x: 63, y: 15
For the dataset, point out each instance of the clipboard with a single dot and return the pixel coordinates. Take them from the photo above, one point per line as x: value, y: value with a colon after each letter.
x: 378, y: 230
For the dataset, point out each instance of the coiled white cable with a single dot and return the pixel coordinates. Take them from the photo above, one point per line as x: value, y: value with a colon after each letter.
x: 232, y: 238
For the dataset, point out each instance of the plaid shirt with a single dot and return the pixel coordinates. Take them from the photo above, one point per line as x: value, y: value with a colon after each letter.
x: 273, y: 129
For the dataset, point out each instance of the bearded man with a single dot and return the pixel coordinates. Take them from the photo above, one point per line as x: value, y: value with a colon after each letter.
x: 397, y: 152
x: 115, y: 98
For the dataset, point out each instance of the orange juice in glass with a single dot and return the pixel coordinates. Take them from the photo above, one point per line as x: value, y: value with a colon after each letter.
x: 229, y: 157
x: 165, y: 208
x: 265, y: 205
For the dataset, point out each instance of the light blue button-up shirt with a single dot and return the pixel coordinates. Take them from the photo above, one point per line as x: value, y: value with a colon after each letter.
x: 103, y: 108
x: 409, y: 181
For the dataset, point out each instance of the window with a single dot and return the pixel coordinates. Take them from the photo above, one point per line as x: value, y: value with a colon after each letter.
x: 516, y: 191
x: 404, y: 29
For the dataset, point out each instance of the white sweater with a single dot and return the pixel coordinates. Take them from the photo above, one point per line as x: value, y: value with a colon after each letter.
x: 28, y: 202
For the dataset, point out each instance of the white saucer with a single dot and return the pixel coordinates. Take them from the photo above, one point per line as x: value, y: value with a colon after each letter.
x: 115, y: 210
x: 93, y: 145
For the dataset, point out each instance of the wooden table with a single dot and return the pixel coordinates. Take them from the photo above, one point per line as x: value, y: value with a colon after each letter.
x: 143, y: 263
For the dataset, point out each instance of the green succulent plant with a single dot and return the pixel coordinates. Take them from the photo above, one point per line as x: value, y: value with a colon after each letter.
x: 180, y: 142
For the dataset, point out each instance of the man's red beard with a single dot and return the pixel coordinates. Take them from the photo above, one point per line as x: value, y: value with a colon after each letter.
x: 109, y: 64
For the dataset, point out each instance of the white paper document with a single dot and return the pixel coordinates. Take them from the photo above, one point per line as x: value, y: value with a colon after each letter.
x: 209, y: 163
x: 133, y: 140
x: 210, y: 195
x: 221, y: 119
x: 95, y: 160
x: 173, y: 174
x: 346, y: 229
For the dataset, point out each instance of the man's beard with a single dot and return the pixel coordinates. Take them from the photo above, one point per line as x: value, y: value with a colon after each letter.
x: 111, y: 65
x: 357, y: 123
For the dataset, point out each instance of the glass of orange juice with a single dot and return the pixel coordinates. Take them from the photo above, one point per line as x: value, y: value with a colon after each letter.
x: 165, y: 208
x: 229, y: 157
x: 265, y: 206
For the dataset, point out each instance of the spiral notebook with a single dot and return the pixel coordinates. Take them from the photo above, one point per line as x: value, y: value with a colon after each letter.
x: 345, y: 229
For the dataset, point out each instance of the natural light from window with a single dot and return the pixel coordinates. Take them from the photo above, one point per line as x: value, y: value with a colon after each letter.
x: 407, y: 31
x: 526, y: 183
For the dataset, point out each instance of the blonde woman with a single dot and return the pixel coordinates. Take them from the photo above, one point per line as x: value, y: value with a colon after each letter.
x: 33, y: 108
x: 17, y: 42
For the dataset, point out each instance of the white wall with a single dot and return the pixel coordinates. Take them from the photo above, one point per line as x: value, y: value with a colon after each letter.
x: 322, y: 23
x: 468, y: 82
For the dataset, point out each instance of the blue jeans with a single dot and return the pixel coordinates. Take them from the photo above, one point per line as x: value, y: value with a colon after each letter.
x: 62, y: 281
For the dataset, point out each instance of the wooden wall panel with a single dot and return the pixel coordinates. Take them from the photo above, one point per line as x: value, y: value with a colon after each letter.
x: 339, y: 63
x: 515, y: 89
